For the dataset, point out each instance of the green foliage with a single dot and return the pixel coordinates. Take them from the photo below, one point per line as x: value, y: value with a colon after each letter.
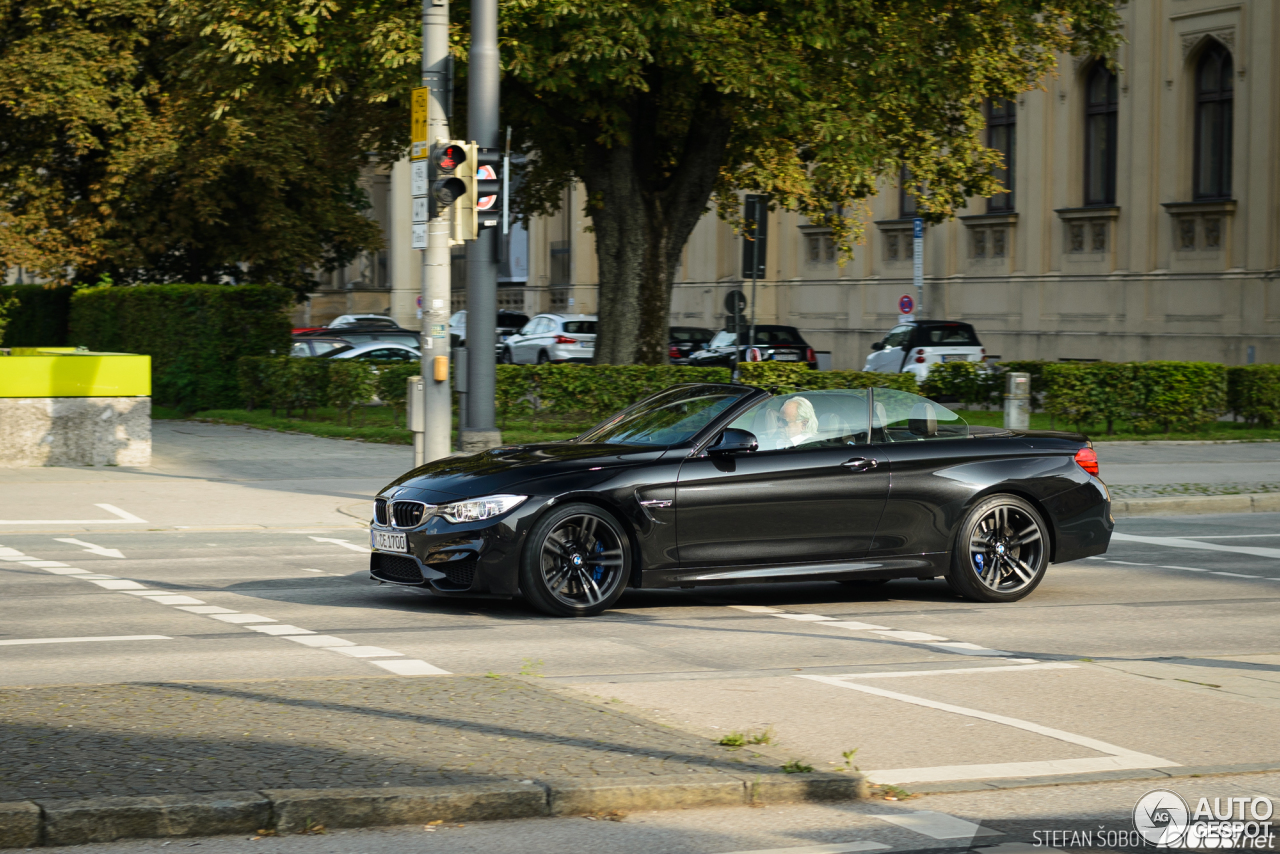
x: 351, y: 384
x: 37, y: 316
x: 800, y: 377
x: 1253, y: 393
x: 7, y: 305
x: 795, y: 766
x: 194, y: 334
x: 393, y: 383
x: 1035, y: 368
x: 1149, y: 395
x: 968, y: 382
x: 595, y: 391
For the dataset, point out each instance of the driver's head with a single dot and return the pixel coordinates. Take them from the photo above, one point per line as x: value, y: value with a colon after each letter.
x: 798, y: 416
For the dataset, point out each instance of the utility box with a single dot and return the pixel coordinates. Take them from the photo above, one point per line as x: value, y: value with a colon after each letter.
x: 413, y: 405
x: 1017, y: 401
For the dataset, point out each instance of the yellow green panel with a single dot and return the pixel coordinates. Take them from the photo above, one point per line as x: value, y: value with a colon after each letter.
x: 79, y: 375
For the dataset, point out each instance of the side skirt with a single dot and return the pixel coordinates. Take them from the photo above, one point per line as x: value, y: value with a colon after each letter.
x: 908, y: 566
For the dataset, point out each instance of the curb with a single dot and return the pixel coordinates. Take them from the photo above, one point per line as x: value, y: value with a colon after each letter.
x: 1137, y: 775
x: 27, y: 824
x: 1258, y: 502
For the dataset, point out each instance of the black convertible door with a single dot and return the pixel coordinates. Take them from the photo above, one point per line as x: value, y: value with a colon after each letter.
x: 779, y: 507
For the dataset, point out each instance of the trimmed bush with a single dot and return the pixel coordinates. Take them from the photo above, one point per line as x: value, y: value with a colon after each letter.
x: 1033, y: 367
x: 40, y: 317
x: 1253, y: 393
x: 968, y: 382
x: 799, y: 376
x: 1179, y: 394
x: 351, y: 384
x: 194, y: 334
x: 392, y: 384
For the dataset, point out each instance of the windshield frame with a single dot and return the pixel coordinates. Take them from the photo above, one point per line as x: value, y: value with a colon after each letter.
x: 742, y: 392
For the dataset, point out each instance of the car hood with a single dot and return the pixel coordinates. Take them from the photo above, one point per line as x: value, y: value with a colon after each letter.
x: 501, y: 469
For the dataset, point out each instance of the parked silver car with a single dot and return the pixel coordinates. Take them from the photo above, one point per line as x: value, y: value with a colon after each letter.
x: 375, y: 351
x: 552, y: 338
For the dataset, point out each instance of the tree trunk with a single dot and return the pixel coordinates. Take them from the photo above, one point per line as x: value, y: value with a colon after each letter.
x: 643, y: 209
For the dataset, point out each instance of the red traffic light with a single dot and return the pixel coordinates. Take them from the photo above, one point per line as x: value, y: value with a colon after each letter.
x: 447, y: 158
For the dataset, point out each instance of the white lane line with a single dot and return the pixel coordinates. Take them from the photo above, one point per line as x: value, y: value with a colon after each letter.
x: 314, y: 570
x: 1127, y: 562
x: 91, y: 548
x: 123, y: 517
x: 755, y: 609
x: 44, y: 564
x: 1171, y: 542
x: 829, y: 848
x: 1224, y: 537
x: 346, y: 544
x: 806, y: 618
x: 1234, y: 574
x: 281, y: 630
x: 116, y: 584
x: 410, y: 667
x: 206, y: 609
x: 367, y: 651
x: 323, y: 641
x: 176, y: 600
x: 70, y: 570
x: 84, y: 640
x: 939, y: 825
x: 1187, y: 568
x: 909, y: 636
x: 856, y: 626
x: 233, y: 617
x: 1000, y: 668
x: 1117, y: 758
x: 968, y: 649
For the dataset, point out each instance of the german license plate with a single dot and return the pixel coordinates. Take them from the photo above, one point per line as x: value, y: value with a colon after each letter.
x: 785, y: 357
x: 954, y: 357
x: 390, y: 541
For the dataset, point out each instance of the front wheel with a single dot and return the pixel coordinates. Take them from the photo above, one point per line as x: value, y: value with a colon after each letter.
x: 1001, y: 551
x: 543, y: 358
x: 507, y: 358
x: 576, y: 562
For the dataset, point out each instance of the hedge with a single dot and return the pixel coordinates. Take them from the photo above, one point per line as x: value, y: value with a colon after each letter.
x: 1253, y: 393
x: 286, y: 383
x: 1149, y: 395
x: 194, y: 334
x: 40, y: 317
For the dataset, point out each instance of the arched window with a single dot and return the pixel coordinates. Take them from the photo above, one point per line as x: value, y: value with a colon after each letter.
x: 1002, y: 135
x: 1101, y: 108
x: 1213, y: 123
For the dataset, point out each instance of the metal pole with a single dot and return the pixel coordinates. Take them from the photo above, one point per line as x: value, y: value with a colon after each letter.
x: 437, y: 402
x: 755, y: 269
x: 482, y: 267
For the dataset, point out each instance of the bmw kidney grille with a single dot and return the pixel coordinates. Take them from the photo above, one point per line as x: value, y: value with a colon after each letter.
x: 409, y: 514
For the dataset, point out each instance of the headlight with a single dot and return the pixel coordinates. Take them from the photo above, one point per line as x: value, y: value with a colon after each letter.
x: 479, y: 509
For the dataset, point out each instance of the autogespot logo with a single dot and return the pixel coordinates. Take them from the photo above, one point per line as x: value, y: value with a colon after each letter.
x: 1161, y: 817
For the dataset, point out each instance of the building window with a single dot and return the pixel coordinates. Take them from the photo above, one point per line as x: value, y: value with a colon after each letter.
x: 906, y: 201
x: 891, y: 248
x: 819, y: 248
x: 1002, y: 127
x: 1213, y: 123
x: 1101, y: 106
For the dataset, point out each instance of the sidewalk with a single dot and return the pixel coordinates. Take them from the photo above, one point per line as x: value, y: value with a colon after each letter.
x: 1184, y: 478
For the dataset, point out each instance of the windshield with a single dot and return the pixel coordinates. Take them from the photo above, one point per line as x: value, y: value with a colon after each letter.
x: 954, y: 334
x: 769, y: 336
x: 671, y: 417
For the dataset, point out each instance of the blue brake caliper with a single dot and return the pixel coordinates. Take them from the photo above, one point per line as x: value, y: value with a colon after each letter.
x: 979, y: 559
x: 598, y: 572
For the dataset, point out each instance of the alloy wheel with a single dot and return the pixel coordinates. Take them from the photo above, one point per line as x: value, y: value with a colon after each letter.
x: 581, y: 561
x: 1006, y: 549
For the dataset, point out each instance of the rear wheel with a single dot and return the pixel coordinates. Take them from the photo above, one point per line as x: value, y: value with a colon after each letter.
x: 507, y: 358
x: 543, y: 358
x: 576, y: 562
x: 1001, y: 551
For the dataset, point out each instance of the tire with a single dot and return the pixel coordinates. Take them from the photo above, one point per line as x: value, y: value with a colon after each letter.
x: 543, y: 358
x: 558, y: 574
x: 1001, y: 551
x: 507, y: 358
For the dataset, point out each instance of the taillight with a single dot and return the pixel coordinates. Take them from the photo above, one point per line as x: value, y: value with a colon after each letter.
x: 919, y: 360
x: 984, y: 351
x: 1087, y: 460
x: 753, y: 354
x: 561, y: 339
x: 920, y: 352
x: 674, y: 352
x: 808, y: 355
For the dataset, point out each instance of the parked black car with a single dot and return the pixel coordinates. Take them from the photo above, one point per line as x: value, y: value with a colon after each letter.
x: 364, y: 333
x: 712, y: 484
x: 686, y: 340
x: 771, y: 344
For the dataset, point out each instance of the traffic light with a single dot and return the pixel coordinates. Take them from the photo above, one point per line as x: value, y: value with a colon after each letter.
x: 488, y: 195
x: 447, y: 161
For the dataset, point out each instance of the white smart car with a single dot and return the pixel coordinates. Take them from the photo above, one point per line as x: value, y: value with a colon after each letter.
x: 917, y: 345
x: 552, y: 338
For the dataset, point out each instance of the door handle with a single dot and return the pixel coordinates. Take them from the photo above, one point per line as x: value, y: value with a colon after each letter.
x: 860, y: 464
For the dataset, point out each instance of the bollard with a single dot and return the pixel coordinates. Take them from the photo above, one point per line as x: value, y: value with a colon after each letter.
x: 1017, y: 402
x: 413, y: 411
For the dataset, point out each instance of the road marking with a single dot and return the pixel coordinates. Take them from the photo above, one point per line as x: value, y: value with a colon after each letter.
x: 170, y: 599
x: 909, y: 636
x: 313, y: 570
x: 318, y: 640
x: 1126, y: 562
x: 830, y: 848
x: 1234, y: 574
x: 281, y: 630
x: 411, y: 667
x: 91, y: 548
x: 937, y: 824
x: 1173, y: 542
x: 45, y: 564
x: 116, y: 584
x: 69, y: 570
x: 1000, y: 668
x: 806, y: 618
x: 856, y: 626
x: 206, y: 609
x: 755, y: 609
x: 84, y: 640
x: 1117, y: 758
x: 366, y: 651
x: 346, y: 544
x: 1187, y: 568
x: 968, y: 648
x: 124, y: 518
x: 1224, y: 536
x: 233, y: 617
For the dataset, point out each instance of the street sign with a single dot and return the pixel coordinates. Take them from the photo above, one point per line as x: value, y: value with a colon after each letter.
x: 418, y: 179
x: 419, y: 300
x: 917, y: 259
x: 419, y: 123
x: 419, y: 236
x: 906, y: 304
x: 917, y: 228
x: 421, y: 209
x: 735, y: 301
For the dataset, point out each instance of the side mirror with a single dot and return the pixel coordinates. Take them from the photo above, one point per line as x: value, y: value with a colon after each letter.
x: 733, y: 441
x: 879, y: 345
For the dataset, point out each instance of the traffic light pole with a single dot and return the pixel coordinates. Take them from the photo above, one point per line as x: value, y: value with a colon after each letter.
x: 437, y: 404
x: 482, y: 266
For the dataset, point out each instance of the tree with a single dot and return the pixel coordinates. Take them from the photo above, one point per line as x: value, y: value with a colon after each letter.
x: 118, y: 163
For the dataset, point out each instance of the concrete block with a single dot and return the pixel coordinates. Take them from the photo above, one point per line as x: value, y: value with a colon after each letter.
x: 1188, y: 506
x: 1266, y: 502
x: 629, y: 794
x: 297, y: 809
x: 105, y: 819
x: 793, y: 788
x: 19, y: 825
x: 75, y: 431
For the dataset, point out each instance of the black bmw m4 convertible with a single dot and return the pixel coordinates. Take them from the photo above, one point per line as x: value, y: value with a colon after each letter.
x: 705, y: 484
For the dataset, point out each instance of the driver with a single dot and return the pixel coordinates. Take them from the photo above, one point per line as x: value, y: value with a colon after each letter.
x: 799, y: 423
